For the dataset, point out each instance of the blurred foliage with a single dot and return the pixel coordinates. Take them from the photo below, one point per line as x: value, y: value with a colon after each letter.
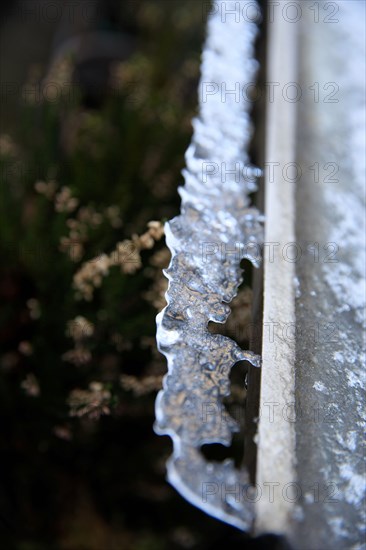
x: 81, y: 466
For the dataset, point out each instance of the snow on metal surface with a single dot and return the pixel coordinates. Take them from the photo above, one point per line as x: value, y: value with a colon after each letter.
x: 215, y: 230
x: 330, y: 366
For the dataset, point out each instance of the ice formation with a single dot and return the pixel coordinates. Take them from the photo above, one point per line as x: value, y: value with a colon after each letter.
x: 216, y: 229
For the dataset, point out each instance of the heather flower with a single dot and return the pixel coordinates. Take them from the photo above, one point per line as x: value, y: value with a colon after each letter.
x: 126, y: 255
x: 78, y: 356
x: 25, y: 348
x: 64, y: 201
x: 142, y: 386
x: 80, y: 328
x: 30, y: 386
x: 34, y: 308
x: 48, y: 189
x: 92, y: 403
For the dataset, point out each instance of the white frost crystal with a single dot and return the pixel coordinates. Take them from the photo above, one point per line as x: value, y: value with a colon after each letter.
x: 215, y: 230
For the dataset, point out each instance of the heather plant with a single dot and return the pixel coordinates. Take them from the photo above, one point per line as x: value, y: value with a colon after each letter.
x: 85, y: 191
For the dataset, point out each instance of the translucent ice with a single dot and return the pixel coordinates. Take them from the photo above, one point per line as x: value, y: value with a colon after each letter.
x: 208, y: 240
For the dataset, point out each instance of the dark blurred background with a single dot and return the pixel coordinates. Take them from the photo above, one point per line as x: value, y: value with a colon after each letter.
x: 96, y: 106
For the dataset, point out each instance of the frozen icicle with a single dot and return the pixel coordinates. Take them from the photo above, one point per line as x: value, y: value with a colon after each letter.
x: 215, y: 231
